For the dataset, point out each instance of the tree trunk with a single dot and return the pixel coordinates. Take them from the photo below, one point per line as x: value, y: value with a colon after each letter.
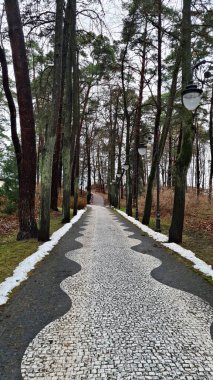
x: 137, y: 125
x: 56, y: 169
x: 197, y: 160
x: 74, y: 136
x: 156, y: 147
x: 184, y: 158
x: 88, y: 167
x: 211, y: 146
x: 169, y: 174
x: 27, y: 222
x: 77, y: 127
x: 66, y: 154
x: 127, y: 117
x: 47, y: 156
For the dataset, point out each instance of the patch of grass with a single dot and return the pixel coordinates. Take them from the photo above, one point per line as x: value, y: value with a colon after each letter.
x: 188, y: 264
x: 200, y: 243
x: 55, y: 222
x: 196, y: 241
x: 164, y: 225
x: 12, y: 252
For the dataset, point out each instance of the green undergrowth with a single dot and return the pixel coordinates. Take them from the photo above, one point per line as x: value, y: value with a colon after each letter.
x: 12, y: 252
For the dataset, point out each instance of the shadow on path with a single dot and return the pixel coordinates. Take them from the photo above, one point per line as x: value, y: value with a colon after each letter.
x: 171, y: 272
x: 37, y: 302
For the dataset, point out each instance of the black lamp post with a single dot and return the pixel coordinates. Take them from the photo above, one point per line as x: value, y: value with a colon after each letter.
x: 126, y: 168
x: 110, y: 194
x: 157, y: 220
x: 113, y: 202
x: 142, y: 149
x: 118, y: 181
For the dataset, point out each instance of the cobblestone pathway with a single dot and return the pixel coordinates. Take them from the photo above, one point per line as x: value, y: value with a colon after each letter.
x: 123, y: 324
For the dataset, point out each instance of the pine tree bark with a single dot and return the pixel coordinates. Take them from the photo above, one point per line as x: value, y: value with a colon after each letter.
x: 74, y: 136
x: 156, y: 146
x: 47, y: 156
x: 197, y: 160
x: 211, y: 146
x: 77, y: 127
x: 127, y: 117
x: 184, y: 158
x: 169, y: 173
x: 137, y: 125
x: 66, y: 155
x: 56, y: 169
x: 89, y: 187
x: 27, y: 222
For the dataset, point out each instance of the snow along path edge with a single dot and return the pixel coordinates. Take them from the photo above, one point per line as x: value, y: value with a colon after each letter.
x: 20, y: 274
x: 199, y: 264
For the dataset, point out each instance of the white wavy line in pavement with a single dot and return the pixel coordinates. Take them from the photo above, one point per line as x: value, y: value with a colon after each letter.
x: 199, y: 264
x: 21, y: 272
x: 123, y: 324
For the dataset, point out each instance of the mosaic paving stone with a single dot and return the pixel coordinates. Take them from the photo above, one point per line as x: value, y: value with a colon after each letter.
x: 123, y: 324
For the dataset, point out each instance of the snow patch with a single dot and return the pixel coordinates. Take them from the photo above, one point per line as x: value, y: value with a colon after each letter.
x: 20, y: 274
x: 163, y: 239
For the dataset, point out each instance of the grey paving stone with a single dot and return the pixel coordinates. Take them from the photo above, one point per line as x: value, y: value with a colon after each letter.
x: 123, y: 323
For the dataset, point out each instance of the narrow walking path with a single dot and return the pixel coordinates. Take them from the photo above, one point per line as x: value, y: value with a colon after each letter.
x: 135, y: 312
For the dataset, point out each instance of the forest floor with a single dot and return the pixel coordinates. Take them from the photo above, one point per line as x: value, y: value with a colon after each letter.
x: 197, y: 236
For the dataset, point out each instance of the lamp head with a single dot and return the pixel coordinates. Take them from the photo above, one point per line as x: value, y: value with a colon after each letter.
x: 126, y: 166
x: 142, y: 149
x: 191, y: 96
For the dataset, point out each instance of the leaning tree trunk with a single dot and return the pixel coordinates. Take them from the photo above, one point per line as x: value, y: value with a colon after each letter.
x: 184, y: 158
x: 47, y: 157
x: 164, y: 134
x: 27, y: 183
x: 12, y: 109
